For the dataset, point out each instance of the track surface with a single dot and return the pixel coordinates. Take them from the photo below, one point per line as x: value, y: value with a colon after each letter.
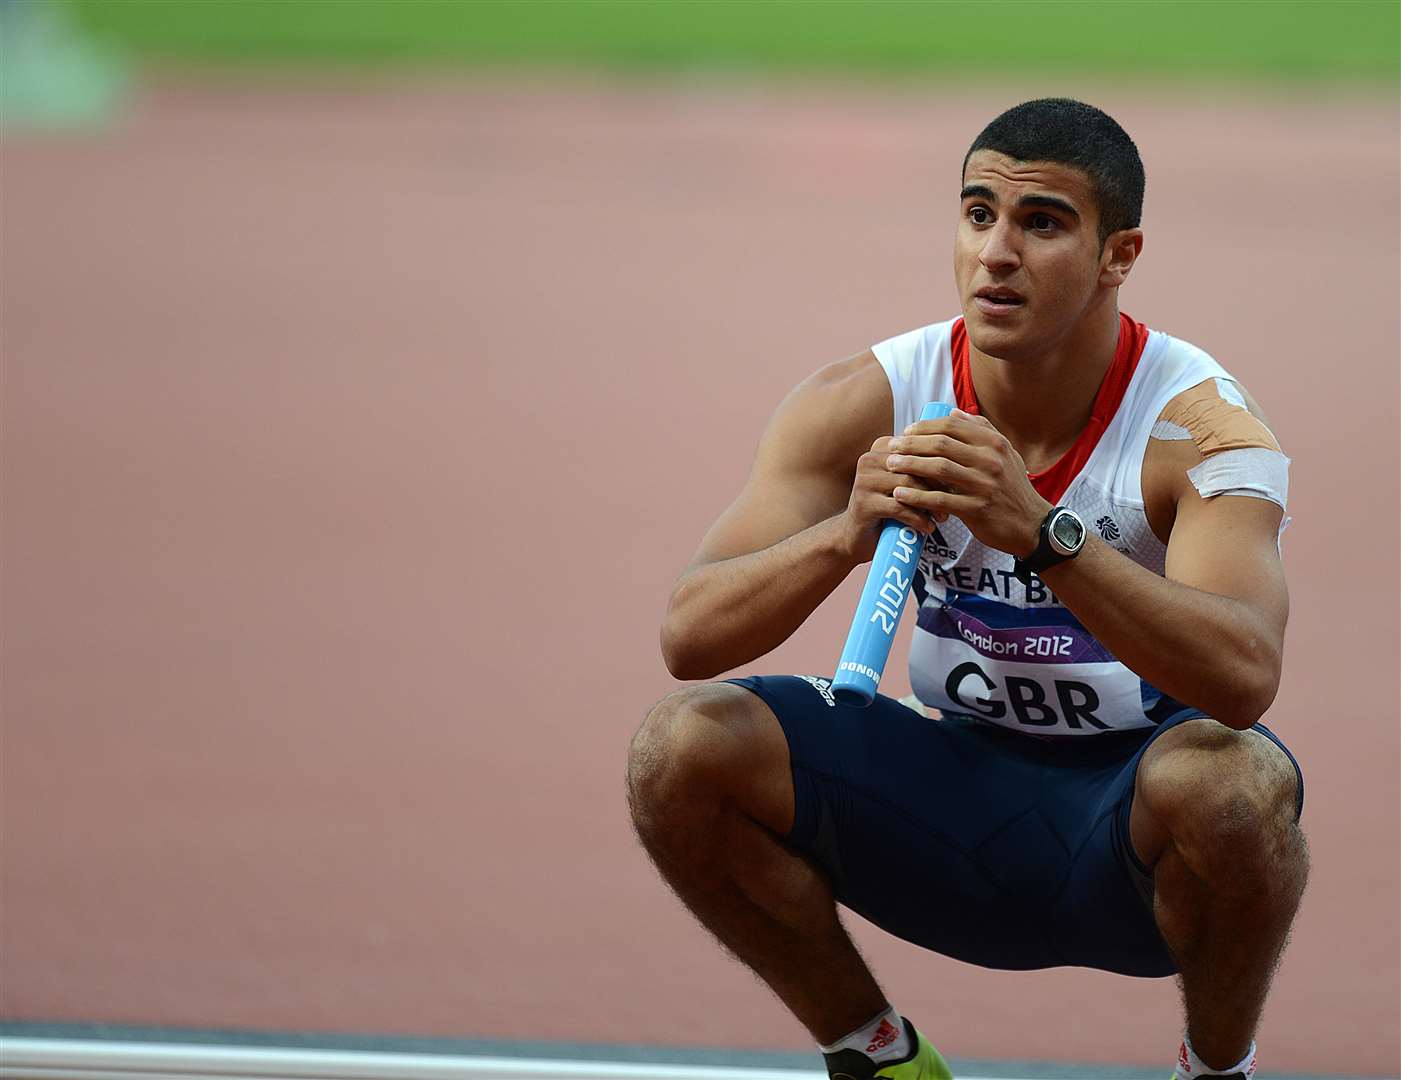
x: 353, y: 436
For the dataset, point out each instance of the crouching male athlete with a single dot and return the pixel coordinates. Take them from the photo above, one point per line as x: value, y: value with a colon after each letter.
x: 1101, y: 613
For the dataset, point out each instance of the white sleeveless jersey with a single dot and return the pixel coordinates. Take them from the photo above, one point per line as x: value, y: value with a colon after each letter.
x: 984, y: 644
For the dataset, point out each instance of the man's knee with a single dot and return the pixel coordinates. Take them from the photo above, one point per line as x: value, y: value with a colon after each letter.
x: 1225, y: 799
x: 706, y: 745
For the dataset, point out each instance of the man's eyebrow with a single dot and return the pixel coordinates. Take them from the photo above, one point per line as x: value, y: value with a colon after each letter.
x: 1050, y: 202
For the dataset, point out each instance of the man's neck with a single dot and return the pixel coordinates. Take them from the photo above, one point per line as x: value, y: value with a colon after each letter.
x: 1043, y: 403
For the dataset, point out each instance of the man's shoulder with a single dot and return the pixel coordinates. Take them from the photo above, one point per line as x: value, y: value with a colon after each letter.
x: 1190, y: 372
x: 835, y: 413
x: 901, y: 351
x: 1202, y: 413
x: 1172, y: 366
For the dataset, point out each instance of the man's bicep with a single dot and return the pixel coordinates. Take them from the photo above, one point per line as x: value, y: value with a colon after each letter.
x: 1229, y: 545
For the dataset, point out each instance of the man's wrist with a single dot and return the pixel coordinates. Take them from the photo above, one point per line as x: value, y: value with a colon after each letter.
x: 1033, y: 537
x: 836, y: 540
x: 1060, y: 538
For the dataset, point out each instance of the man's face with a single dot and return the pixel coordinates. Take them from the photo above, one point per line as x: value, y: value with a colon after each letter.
x: 1027, y: 254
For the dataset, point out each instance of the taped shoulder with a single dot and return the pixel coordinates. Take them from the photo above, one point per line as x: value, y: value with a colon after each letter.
x: 1216, y: 415
x: 1239, y: 453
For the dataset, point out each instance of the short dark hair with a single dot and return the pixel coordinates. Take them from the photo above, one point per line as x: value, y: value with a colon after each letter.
x: 1072, y: 133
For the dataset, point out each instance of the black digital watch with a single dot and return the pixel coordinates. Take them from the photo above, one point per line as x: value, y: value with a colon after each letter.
x: 1061, y: 537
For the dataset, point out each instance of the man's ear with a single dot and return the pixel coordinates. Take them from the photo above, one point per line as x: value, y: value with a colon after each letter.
x: 1121, y: 251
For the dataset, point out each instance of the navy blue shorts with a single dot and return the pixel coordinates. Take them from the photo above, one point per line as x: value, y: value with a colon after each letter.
x: 983, y: 844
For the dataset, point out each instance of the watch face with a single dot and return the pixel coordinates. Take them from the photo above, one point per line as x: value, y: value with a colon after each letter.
x: 1067, y: 532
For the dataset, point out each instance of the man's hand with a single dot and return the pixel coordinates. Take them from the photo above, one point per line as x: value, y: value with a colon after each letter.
x: 872, y: 501
x: 966, y: 467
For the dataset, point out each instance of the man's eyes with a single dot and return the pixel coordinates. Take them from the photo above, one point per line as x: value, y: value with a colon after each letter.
x: 981, y: 215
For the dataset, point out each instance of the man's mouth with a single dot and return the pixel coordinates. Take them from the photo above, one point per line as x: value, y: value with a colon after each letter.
x: 998, y: 301
x: 1000, y: 297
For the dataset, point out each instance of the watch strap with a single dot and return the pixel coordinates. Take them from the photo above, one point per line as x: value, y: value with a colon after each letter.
x: 1043, y: 556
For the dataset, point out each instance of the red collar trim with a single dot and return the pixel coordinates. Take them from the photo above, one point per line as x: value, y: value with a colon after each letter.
x: 1051, y: 483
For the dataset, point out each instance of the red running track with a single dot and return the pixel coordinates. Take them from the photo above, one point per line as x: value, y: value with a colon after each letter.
x: 353, y: 435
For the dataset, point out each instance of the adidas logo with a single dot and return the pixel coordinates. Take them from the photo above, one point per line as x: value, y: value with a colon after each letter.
x: 886, y: 1034
x: 1184, y: 1068
x: 823, y: 687
x: 940, y: 547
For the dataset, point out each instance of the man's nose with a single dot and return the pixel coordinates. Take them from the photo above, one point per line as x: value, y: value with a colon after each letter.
x: 1000, y: 254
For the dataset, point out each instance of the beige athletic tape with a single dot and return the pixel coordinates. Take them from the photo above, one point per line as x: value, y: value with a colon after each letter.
x: 1214, y: 415
x: 1240, y: 455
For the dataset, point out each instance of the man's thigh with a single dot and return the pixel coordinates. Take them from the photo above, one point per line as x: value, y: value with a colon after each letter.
x: 972, y: 841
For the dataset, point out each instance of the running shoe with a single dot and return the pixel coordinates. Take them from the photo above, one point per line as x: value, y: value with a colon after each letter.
x: 924, y: 1063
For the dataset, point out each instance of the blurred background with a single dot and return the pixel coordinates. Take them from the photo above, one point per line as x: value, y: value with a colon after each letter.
x: 370, y: 370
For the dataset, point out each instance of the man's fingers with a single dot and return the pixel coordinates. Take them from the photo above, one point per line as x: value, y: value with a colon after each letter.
x: 941, y: 445
x: 937, y: 504
x: 940, y: 471
x: 976, y: 418
x: 959, y: 427
x: 905, y: 515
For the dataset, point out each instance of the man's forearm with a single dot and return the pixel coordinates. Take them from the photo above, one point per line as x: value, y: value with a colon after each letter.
x: 727, y: 613
x: 1205, y: 650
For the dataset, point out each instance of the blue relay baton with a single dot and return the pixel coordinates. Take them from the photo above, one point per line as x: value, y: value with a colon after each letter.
x: 882, y: 601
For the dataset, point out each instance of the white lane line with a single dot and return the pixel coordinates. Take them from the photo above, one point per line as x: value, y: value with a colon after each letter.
x: 91, y: 1059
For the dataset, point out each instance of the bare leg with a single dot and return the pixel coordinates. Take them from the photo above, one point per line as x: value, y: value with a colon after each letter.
x: 1213, y: 816
x: 711, y: 792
